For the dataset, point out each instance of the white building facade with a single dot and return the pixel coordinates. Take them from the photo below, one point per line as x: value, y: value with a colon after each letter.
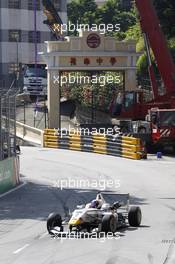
x: 18, y: 40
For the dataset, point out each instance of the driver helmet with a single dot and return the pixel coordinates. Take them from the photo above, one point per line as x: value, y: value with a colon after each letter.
x: 94, y: 204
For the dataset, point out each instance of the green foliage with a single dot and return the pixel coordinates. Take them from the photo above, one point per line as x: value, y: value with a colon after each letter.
x: 171, y: 45
x: 165, y: 10
x: 166, y: 13
x: 101, y: 91
x: 134, y: 32
x: 142, y: 65
x: 82, y: 11
x: 112, y: 12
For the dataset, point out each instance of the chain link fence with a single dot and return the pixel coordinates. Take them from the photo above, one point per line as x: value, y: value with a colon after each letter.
x: 8, y: 123
x: 33, y: 113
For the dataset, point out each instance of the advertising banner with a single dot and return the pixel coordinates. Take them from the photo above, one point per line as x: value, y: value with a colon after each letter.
x: 9, y: 174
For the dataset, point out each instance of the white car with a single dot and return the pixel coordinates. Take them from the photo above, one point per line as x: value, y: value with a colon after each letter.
x: 98, y: 215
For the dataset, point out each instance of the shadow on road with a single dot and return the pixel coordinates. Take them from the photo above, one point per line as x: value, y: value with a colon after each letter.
x: 37, y: 201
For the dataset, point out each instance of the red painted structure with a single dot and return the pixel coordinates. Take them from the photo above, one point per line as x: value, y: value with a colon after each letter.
x: 156, y: 40
x: 137, y: 108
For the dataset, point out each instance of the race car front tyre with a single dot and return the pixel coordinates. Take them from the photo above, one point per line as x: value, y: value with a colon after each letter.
x: 135, y: 216
x: 109, y: 224
x: 54, y: 220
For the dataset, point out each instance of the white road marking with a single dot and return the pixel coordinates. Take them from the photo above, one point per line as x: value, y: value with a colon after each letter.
x: 20, y: 249
x: 14, y: 189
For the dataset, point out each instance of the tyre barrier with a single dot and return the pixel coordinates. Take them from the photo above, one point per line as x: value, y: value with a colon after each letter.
x: 119, y: 146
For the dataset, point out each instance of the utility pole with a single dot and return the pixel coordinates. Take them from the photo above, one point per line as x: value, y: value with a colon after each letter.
x: 35, y: 32
x: 35, y: 42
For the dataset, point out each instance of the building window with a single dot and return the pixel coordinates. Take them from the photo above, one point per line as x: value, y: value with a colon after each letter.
x: 57, y: 5
x: 14, y: 35
x: 31, y: 4
x: 13, y: 67
x: 32, y: 37
x: 14, y: 3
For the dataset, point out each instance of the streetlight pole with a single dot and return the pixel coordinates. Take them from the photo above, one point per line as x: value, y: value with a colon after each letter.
x: 35, y: 33
x: 36, y: 51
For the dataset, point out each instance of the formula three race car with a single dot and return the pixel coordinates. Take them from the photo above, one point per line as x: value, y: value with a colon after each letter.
x: 99, y: 215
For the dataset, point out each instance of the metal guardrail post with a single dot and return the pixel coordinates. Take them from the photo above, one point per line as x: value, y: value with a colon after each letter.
x: 24, y: 119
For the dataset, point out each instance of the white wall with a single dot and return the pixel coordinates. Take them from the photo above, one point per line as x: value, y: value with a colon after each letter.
x: 21, y: 19
x: 26, y: 52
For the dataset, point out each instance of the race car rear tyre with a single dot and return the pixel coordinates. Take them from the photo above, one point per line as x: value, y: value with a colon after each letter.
x: 53, y: 220
x: 109, y: 224
x: 134, y: 216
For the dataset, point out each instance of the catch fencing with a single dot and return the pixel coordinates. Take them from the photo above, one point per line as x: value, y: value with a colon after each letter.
x: 7, y: 128
x: 9, y: 161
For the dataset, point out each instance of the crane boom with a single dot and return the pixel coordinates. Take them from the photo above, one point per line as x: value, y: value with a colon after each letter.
x: 53, y: 19
x: 150, y: 26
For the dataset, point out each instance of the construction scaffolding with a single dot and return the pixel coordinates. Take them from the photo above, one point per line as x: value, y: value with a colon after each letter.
x: 8, y: 123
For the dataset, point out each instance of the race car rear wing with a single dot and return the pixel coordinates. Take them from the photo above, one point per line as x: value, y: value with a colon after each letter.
x: 111, y: 197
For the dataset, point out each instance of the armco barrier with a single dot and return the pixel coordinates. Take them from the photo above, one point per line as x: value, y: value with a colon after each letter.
x: 121, y: 146
x: 9, y: 174
x: 28, y: 133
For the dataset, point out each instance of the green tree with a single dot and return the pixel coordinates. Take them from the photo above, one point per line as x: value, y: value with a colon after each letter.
x: 166, y: 13
x: 112, y: 12
x: 82, y: 11
x: 165, y: 10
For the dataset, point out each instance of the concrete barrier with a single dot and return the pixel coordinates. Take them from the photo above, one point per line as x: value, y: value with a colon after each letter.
x: 9, y: 174
x: 28, y: 133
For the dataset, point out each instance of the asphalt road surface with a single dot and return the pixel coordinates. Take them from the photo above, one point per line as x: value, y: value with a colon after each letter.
x: 23, y: 213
